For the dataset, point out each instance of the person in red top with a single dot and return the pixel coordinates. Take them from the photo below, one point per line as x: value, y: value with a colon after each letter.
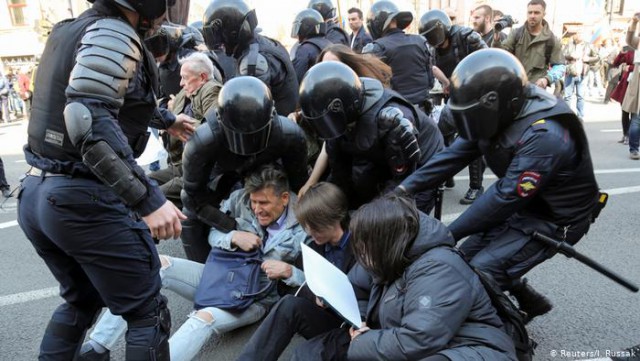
x: 24, y: 82
x: 625, y: 61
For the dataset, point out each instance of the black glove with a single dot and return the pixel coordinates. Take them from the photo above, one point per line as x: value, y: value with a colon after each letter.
x: 402, y: 149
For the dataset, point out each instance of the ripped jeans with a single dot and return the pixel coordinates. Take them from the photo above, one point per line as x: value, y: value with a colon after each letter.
x: 182, y: 277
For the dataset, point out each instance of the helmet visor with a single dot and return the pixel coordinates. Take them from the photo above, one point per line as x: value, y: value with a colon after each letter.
x: 435, y: 36
x: 295, y: 29
x: 478, y: 120
x: 158, y: 44
x: 331, y: 123
x: 247, y: 143
x: 212, y: 33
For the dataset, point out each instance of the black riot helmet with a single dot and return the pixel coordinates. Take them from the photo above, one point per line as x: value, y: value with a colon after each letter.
x: 165, y: 40
x: 381, y: 14
x: 230, y: 23
x: 308, y: 23
x: 487, y: 92
x: 330, y: 98
x: 191, y: 37
x: 435, y: 25
x: 245, y: 113
x: 148, y: 9
x: 324, y: 7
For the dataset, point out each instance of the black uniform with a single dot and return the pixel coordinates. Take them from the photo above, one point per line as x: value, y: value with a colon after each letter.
x: 211, y: 171
x: 462, y: 42
x: 84, y: 228
x: 411, y: 62
x: 546, y: 184
x: 307, y: 53
x: 268, y: 60
x: 358, y: 162
x: 336, y: 34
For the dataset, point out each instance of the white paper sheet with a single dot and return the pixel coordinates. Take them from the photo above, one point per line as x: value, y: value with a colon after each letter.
x: 152, y: 152
x: 330, y: 284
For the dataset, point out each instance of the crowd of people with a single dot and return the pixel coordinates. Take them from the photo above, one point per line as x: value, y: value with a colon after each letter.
x: 343, y: 143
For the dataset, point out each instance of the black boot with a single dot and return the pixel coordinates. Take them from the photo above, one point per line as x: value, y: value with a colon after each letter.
x: 476, y: 170
x: 530, y: 301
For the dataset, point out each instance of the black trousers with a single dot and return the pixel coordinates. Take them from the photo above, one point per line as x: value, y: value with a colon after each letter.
x: 508, y: 251
x: 289, y: 316
x: 98, y: 253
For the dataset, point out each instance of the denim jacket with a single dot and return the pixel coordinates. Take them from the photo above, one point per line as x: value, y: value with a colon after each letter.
x: 285, y: 246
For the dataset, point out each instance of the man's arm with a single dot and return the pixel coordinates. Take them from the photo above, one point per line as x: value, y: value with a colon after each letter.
x: 509, y: 44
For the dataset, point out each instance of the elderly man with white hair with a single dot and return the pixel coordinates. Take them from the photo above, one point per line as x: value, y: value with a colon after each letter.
x: 198, y: 95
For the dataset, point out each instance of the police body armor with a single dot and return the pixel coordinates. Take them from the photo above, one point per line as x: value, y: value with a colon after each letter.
x: 572, y: 202
x: 319, y: 43
x: 370, y: 169
x: 458, y: 50
x: 408, y: 56
x: 48, y: 137
x: 336, y: 35
x: 285, y: 94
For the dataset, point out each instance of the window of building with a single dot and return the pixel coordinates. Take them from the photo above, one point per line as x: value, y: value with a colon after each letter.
x: 16, y: 10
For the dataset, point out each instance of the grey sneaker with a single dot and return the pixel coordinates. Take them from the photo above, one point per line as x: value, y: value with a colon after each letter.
x: 634, y: 155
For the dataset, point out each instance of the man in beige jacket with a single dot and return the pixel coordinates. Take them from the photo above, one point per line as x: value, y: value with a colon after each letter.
x: 199, y: 94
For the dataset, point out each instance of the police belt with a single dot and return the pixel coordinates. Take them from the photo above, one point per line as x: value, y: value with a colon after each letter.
x: 37, y: 172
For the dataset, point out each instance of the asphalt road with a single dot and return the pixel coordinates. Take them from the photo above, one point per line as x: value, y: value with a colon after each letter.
x: 592, y: 315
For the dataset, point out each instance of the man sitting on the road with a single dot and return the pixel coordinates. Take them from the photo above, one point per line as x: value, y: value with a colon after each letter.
x: 266, y: 219
x: 199, y: 94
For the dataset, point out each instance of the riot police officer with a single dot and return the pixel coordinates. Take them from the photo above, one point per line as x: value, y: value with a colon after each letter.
x: 243, y: 133
x: 227, y: 62
x: 232, y: 24
x: 373, y: 136
x: 334, y: 33
x: 537, y: 147
x: 406, y: 54
x: 453, y: 43
x: 309, y: 28
x: 85, y: 205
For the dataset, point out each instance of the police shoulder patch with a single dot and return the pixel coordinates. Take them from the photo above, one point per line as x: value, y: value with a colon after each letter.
x: 528, y: 183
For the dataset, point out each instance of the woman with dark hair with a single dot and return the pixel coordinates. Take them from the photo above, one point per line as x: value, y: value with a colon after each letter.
x: 426, y: 302
x: 364, y: 65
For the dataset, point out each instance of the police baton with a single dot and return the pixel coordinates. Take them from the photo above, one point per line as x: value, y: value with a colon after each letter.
x: 570, y: 252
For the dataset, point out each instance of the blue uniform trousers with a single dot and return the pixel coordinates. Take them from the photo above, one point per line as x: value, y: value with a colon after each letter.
x: 99, y: 253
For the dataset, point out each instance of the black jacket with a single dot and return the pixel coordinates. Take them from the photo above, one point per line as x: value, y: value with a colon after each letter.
x: 359, y: 159
x: 362, y: 38
x: 411, y: 63
x: 437, y: 306
x: 210, y: 170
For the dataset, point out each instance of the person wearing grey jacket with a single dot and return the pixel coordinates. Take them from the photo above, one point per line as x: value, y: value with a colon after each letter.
x: 426, y: 302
